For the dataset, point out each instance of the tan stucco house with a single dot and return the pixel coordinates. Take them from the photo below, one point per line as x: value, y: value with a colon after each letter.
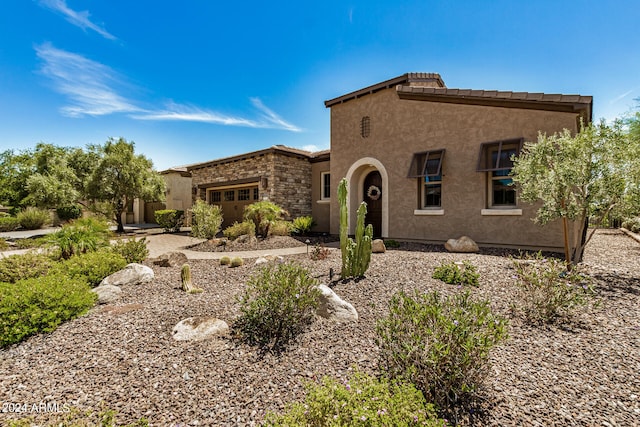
x: 431, y: 162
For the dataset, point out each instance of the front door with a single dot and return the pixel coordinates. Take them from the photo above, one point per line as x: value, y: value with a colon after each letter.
x: 373, y: 196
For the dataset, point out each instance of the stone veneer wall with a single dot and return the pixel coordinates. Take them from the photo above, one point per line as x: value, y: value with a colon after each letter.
x: 292, y: 184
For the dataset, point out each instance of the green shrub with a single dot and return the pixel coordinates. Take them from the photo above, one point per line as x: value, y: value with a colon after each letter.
x: 236, y: 262
x: 391, y: 244
x: 40, y: 304
x: 440, y: 344
x: 170, y: 219
x: 452, y: 274
x: 9, y: 223
x: 632, y: 224
x: 363, y: 400
x: 263, y: 214
x: 278, y: 304
x: 81, y: 236
x: 240, y: 229
x: 207, y: 220
x: 31, y: 242
x: 280, y: 228
x: 91, y: 266
x: 3, y: 244
x: 303, y: 225
x: 132, y: 250
x: 547, y: 291
x: 67, y: 213
x: 33, y: 218
x: 225, y: 260
x: 73, y: 417
x: 19, y: 267
x: 4, y: 214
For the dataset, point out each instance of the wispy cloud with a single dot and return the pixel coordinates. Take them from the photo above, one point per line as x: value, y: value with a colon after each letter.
x: 79, y: 19
x: 624, y: 95
x: 94, y: 89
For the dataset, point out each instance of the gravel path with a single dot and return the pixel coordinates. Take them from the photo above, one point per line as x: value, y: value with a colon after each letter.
x: 586, y: 373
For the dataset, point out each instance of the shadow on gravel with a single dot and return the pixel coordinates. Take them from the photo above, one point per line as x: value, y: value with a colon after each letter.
x: 614, y: 286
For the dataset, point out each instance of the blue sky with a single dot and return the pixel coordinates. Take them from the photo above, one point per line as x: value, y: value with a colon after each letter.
x: 196, y: 80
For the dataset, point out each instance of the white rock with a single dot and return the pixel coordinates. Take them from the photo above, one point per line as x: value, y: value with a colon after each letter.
x: 107, y: 293
x: 463, y: 244
x: 331, y: 306
x: 199, y: 328
x: 378, y: 247
x: 132, y: 274
x: 262, y: 260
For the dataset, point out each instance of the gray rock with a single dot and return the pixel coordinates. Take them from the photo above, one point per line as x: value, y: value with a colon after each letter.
x: 171, y: 259
x: 107, y: 294
x: 199, y: 328
x: 132, y: 274
x: 378, y: 247
x: 464, y: 244
x: 331, y: 306
x: 246, y: 238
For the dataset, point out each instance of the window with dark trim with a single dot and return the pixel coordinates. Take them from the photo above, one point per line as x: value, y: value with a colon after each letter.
x: 256, y: 193
x: 496, y: 158
x: 365, y: 127
x: 216, y: 196
x: 427, y: 167
x: 244, y: 194
x: 325, y: 178
x: 229, y: 195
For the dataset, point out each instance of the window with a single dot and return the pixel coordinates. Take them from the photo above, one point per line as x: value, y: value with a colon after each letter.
x: 496, y: 158
x: 256, y: 193
x: 229, y: 196
x: 244, y: 194
x: 365, y: 127
x: 215, y: 197
x: 427, y: 167
x: 325, y: 179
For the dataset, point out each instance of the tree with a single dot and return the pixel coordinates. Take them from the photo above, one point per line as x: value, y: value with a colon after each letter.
x: 121, y: 176
x: 578, y: 177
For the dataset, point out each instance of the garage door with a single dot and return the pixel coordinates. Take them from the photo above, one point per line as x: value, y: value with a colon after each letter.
x: 233, y: 201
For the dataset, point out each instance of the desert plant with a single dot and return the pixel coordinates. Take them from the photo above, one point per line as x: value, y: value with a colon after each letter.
x: 31, y: 242
x: 131, y: 249
x: 303, y: 225
x: 356, y: 255
x: 452, y: 274
x: 238, y: 229
x: 319, y: 252
x: 80, y: 236
x: 225, y: 260
x: 67, y: 213
x: 280, y: 228
x: 263, y: 214
x: 632, y: 224
x: 169, y: 219
x: 40, y: 304
x: 91, y: 266
x: 236, y: 261
x: 3, y: 244
x: 33, y: 218
x: 440, y: 344
x: 207, y: 220
x: 547, y: 291
x: 362, y: 400
x: 391, y: 244
x: 9, y: 223
x: 19, y: 267
x: 278, y: 304
x: 185, y: 277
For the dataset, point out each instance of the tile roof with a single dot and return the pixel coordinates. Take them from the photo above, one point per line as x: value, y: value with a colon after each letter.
x: 282, y: 149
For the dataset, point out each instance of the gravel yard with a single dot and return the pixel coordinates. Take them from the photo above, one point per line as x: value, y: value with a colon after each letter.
x: 584, y: 373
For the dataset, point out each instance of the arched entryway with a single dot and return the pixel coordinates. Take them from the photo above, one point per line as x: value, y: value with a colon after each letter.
x: 372, y: 192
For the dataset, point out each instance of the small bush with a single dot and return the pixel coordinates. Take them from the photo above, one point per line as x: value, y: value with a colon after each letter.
x: 225, y: 260
x: 32, y: 242
x: 207, y: 220
x: 239, y: 229
x: 391, y: 244
x: 91, y: 266
x: 9, y: 223
x: 33, y: 218
x: 280, y: 228
x: 547, y: 292
x: 67, y: 213
x: 19, y: 267
x: 362, y: 400
x: 632, y: 224
x: 236, y: 262
x: 170, y: 219
x: 440, y: 344
x: 303, y: 225
x: 263, y: 214
x: 40, y: 304
x: 3, y: 244
x: 278, y: 304
x: 132, y: 250
x: 452, y: 274
x: 319, y: 252
x: 81, y: 236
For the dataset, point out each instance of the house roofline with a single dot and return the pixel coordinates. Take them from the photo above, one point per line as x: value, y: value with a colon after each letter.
x: 275, y: 149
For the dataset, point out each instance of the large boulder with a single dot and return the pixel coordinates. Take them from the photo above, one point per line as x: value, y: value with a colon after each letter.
x: 331, y: 306
x: 464, y: 244
x: 378, y: 247
x: 107, y: 294
x: 171, y: 259
x: 132, y: 274
x: 199, y: 328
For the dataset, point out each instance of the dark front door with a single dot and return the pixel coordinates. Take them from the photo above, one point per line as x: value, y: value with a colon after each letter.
x: 373, y: 196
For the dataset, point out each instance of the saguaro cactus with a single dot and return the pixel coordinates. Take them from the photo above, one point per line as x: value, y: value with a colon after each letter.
x: 355, y: 255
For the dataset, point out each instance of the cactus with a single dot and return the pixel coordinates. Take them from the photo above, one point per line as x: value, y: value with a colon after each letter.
x: 225, y: 260
x: 236, y: 262
x: 187, y: 286
x: 356, y: 255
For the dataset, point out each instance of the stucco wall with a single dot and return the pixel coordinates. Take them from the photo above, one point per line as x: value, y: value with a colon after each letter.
x: 179, y: 195
x: 400, y: 128
x: 320, y: 208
